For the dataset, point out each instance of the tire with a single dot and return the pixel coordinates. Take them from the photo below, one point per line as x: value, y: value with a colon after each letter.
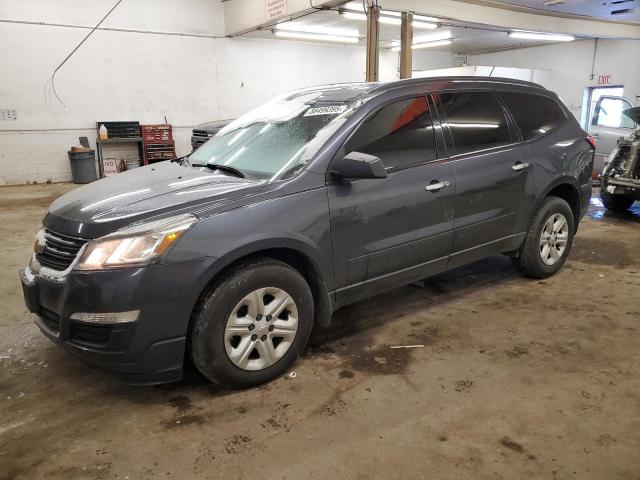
x: 617, y: 203
x: 532, y: 259
x: 233, y: 302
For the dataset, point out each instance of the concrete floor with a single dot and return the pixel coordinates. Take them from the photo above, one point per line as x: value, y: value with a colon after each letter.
x: 517, y: 379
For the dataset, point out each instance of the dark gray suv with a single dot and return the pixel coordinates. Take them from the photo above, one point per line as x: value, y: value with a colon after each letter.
x: 319, y: 198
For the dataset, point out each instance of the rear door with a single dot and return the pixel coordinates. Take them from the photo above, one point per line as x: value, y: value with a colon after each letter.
x: 608, y: 124
x: 386, y: 232
x: 491, y: 172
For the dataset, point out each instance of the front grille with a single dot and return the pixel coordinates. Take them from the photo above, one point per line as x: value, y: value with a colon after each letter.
x: 87, y: 333
x: 200, y: 133
x: 59, y: 250
x: 199, y: 137
x: 50, y: 319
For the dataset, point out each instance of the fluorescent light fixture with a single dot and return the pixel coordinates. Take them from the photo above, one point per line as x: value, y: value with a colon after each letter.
x: 439, y: 43
x: 387, y: 20
x: 424, y: 25
x: 320, y: 29
x: 432, y: 37
x: 354, y: 6
x: 422, y: 18
x: 415, y: 46
x: 320, y: 33
x: 315, y: 36
x: 353, y: 15
x: 357, y: 7
x: 363, y: 16
x: 550, y: 37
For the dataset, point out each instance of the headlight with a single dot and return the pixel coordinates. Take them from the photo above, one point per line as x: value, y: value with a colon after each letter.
x: 137, y: 245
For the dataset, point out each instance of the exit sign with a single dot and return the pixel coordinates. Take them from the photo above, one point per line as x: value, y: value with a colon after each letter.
x: 604, y: 79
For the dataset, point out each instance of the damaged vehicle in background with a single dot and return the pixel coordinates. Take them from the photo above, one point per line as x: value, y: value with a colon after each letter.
x: 620, y: 180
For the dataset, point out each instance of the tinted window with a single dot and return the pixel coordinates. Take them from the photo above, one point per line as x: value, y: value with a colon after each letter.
x: 534, y: 114
x: 475, y: 120
x: 399, y: 134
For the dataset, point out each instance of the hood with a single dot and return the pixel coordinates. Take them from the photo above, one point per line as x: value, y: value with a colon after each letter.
x: 165, y: 188
x: 213, y: 127
x: 633, y: 114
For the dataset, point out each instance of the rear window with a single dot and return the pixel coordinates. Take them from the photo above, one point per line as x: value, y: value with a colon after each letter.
x: 534, y: 114
x: 475, y: 120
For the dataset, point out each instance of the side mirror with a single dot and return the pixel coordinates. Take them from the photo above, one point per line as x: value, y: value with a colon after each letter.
x: 358, y: 165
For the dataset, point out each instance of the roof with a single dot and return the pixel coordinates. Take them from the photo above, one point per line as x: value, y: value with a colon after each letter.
x: 453, y: 79
x: 348, y: 92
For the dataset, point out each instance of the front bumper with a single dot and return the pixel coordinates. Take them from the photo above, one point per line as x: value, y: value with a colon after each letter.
x: 147, y: 351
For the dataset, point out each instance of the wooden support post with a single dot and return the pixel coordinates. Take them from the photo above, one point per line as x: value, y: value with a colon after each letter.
x: 373, y: 29
x: 406, y: 40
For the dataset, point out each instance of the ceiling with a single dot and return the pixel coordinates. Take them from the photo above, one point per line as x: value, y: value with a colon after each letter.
x: 612, y: 10
x: 467, y: 38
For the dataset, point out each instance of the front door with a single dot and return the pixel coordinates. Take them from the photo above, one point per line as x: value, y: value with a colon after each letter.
x: 390, y: 231
x: 491, y: 174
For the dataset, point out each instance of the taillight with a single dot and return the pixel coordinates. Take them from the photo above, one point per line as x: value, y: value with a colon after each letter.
x: 592, y: 141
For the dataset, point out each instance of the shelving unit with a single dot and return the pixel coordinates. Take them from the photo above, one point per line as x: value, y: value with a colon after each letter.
x: 119, y: 133
x: 158, y: 144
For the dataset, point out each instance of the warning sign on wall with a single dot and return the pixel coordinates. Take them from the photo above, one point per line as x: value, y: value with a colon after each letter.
x: 276, y: 8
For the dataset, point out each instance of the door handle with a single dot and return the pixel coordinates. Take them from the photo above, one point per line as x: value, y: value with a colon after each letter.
x: 520, y: 166
x: 436, y: 186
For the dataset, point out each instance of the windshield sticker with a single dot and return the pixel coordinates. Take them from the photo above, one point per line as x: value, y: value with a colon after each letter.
x: 325, y: 110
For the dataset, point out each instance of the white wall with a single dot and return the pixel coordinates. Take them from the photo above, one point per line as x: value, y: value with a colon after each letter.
x: 566, y: 68
x: 426, y: 59
x: 127, y: 75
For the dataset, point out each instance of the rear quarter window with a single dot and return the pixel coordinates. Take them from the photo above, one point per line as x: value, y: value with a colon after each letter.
x: 535, y: 115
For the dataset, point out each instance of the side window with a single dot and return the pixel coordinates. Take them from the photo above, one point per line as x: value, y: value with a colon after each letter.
x: 475, y: 120
x: 400, y: 134
x: 608, y: 113
x: 534, y: 114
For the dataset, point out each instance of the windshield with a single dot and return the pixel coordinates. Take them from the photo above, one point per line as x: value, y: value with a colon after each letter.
x: 275, y: 140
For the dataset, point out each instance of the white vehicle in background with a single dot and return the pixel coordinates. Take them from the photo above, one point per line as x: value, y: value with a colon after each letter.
x: 608, y: 124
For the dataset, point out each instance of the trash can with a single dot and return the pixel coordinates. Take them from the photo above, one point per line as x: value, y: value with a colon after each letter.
x: 83, y: 166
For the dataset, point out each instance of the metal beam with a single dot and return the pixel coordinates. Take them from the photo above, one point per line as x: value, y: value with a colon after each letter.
x: 406, y: 40
x: 373, y: 43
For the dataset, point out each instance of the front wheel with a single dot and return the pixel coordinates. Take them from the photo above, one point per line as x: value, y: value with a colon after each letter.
x: 252, y: 324
x: 548, y: 240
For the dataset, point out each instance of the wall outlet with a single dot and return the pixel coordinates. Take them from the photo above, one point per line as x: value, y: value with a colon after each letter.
x: 8, y: 114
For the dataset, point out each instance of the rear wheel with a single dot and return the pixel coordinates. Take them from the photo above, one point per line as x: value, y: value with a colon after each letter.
x: 548, y: 240
x: 252, y: 324
x: 618, y: 203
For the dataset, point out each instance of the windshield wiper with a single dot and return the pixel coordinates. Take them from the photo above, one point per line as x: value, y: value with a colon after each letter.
x: 181, y: 160
x: 227, y: 169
